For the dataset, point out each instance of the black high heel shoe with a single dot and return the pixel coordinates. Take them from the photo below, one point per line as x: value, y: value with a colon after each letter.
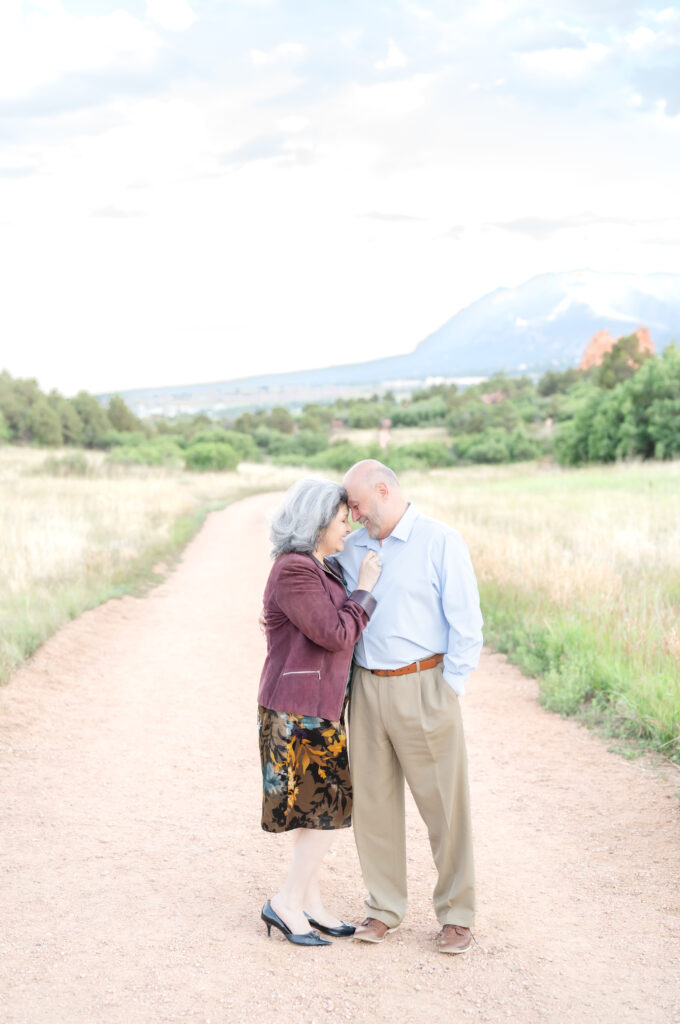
x: 270, y: 917
x: 341, y: 931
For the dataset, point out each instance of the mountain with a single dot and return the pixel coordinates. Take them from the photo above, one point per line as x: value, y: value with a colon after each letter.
x: 548, y: 321
x: 545, y: 323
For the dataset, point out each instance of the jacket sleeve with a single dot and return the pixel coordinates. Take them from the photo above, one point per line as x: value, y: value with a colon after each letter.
x: 302, y: 597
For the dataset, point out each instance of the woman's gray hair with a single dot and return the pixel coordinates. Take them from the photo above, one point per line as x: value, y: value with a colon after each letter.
x: 307, y: 509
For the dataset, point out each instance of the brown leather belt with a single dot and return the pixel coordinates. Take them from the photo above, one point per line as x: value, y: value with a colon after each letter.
x: 415, y: 666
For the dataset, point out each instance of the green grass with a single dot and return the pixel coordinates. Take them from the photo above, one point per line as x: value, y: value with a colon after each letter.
x: 579, y: 570
x: 579, y: 576
x: 29, y: 619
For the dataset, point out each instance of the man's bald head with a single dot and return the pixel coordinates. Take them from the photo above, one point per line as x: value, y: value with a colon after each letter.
x: 369, y: 472
x: 375, y: 497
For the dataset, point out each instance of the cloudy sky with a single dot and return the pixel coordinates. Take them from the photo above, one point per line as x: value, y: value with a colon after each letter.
x: 195, y: 190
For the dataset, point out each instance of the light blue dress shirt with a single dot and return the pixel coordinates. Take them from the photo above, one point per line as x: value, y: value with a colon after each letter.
x: 427, y: 597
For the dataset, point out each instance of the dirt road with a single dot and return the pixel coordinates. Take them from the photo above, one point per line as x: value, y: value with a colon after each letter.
x: 133, y: 868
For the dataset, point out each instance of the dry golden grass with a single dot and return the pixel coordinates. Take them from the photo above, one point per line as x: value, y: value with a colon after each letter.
x: 68, y: 542
x: 587, y: 537
x: 579, y: 572
x: 397, y: 435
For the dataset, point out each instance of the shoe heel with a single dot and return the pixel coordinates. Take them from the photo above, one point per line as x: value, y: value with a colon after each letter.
x: 269, y: 930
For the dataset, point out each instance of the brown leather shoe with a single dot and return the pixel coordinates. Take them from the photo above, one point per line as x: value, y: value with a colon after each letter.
x: 372, y: 930
x: 454, y: 938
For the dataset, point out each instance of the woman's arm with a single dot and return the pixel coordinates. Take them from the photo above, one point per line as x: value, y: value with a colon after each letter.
x: 302, y: 597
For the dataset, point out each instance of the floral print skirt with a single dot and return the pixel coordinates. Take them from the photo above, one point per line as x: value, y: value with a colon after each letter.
x: 305, y: 772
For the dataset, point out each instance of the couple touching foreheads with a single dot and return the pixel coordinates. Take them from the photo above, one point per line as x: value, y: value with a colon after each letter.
x: 387, y: 618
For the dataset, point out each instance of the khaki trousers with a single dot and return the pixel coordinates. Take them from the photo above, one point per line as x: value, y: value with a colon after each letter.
x: 410, y: 727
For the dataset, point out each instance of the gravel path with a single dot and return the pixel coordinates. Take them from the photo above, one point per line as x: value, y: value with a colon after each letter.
x: 133, y: 868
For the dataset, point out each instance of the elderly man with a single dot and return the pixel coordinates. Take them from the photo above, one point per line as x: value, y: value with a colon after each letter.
x: 411, y: 663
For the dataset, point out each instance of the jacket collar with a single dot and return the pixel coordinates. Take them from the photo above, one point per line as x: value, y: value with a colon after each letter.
x: 332, y: 567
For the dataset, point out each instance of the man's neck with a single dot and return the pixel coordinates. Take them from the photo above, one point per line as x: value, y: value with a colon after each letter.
x: 399, y: 515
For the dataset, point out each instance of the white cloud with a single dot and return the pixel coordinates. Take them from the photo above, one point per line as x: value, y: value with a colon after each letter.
x: 173, y: 15
x: 389, y: 100
x: 394, y: 59
x: 40, y: 43
x: 350, y: 38
x: 421, y: 13
x: 138, y: 231
x: 282, y: 52
x: 641, y: 39
x: 565, y: 62
x: 292, y: 124
x: 491, y: 12
x: 669, y: 14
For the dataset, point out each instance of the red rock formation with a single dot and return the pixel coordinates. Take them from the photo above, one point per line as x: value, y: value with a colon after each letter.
x: 602, y: 342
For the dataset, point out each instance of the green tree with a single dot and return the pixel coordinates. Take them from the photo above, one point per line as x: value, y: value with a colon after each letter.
x: 315, y: 417
x: 122, y: 417
x: 71, y: 423
x: 664, y: 427
x: 521, y: 447
x: 621, y: 362
x: 468, y: 416
x: 364, y: 416
x: 653, y: 393
x: 247, y: 422
x: 16, y: 398
x: 280, y: 419
x: 606, y: 436
x: 554, y: 382
x: 93, y: 417
x: 571, y: 438
x: 44, y: 424
x: 491, y: 446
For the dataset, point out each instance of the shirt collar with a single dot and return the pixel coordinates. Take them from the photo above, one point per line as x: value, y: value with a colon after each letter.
x: 401, y: 531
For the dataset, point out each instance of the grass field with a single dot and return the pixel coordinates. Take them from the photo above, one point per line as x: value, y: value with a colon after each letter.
x: 579, y: 570
x: 579, y: 574
x: 69, y: 542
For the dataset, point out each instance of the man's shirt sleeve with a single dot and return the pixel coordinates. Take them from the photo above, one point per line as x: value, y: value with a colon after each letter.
x: 460, y: 604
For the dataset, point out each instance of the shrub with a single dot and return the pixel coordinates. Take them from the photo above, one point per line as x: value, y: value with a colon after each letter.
x: 424, y: 411
x: 364, y: 417
x: 161, y: 451
x: 342, y: 455
x: 555, y: 382
x: 243, y: 444
x: 119, y: 439
x: 468, y: 416
x: 290, y: 449
x: 206, y: 456
x: 419, y: 455
x: 523, y: 447
x: 73, y: 464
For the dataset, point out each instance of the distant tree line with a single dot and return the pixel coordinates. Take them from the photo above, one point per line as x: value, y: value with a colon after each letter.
x: 628, y: 406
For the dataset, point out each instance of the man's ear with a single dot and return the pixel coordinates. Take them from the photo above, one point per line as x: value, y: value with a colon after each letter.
x: 382, y: 489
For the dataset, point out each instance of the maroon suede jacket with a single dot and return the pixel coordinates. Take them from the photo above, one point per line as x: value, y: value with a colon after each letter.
x: 312, y: 626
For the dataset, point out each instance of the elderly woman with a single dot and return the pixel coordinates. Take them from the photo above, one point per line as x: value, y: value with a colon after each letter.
x: 311, y: 624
